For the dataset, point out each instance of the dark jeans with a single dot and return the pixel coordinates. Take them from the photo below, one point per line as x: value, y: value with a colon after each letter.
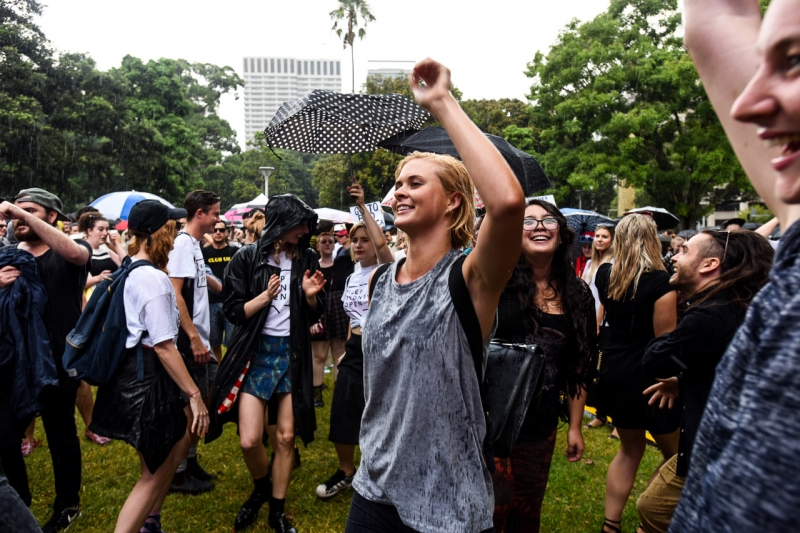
x: 370, y: 517
x: 15, y: 516
x: 58, y: 419
x: 11, y: 435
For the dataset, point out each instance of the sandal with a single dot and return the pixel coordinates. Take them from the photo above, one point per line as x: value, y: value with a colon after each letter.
x: 608, y: 523
x: 97, y: 439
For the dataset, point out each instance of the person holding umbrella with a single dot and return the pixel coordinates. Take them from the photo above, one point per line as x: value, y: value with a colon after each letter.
x: 427, y: 472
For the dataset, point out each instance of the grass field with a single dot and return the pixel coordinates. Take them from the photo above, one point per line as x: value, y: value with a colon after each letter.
x: 573, y: 503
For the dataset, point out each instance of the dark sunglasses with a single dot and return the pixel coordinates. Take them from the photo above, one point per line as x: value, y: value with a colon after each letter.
x: 727, y: 238
x: 220, y: 230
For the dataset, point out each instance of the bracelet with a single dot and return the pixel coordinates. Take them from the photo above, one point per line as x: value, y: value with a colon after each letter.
x: 194, y: 393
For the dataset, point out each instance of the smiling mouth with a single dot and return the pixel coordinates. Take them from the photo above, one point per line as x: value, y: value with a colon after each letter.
x: 790, y: 143
x: 403, y: 209
x: 540, y: 238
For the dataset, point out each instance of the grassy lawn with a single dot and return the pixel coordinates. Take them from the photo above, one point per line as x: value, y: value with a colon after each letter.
x: 574, y: 500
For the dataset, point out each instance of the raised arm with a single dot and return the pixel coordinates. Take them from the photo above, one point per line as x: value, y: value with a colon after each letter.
x: 488, y: 268
x: 60, y: 243
x: 374, y: 231
x: 721, y: 38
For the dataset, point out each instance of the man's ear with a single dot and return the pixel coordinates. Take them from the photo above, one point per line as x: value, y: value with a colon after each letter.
x: 709, y: 264
x: 52, y: 218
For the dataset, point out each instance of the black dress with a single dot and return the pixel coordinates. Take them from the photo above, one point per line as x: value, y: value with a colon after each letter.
x: 622, y: 379
x: 335, y: 320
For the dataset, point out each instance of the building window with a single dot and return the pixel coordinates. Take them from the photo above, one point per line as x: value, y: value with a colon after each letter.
x: 258, y: 65
x: 305, y: 68
x: 319, y: 69
x: 245, y: 64
x: 279, y: 66
x: 252, y: 65
x: 338, y: 67
x: 285, y: 65
x: 291, y: 65
x: 272, y: 65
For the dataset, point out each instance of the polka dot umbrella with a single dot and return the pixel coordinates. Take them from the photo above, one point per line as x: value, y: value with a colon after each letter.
x: 327, y: 122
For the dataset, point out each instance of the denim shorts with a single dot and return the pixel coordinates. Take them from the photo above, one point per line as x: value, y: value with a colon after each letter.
x: 269, y: 368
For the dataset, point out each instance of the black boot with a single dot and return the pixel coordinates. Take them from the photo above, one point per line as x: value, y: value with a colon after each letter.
x: 249, y: 511
x: 277, y: 517
x: 318, y: 401
x: 197, y: 471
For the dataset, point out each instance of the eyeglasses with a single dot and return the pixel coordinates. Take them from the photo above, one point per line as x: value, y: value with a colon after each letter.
x: 220, y: 230
x: 2, y: 226
x: 548, y: 223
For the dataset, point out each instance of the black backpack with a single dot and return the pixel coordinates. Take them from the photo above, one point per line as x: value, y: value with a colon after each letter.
x: 96, y: 346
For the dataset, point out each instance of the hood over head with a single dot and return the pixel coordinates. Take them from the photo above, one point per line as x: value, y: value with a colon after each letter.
x: 284, y: 212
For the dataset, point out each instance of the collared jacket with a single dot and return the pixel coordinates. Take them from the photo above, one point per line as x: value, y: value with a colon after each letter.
x: 24, y: 346
x: 247, y: 276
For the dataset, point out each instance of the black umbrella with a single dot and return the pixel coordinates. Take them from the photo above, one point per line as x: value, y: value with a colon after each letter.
x: 663, y: 218
x: 437, y: 141
x: 327, y: 122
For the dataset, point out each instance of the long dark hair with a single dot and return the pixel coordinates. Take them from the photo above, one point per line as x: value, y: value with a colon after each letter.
x: 746, y: 261
x: 573, y: 294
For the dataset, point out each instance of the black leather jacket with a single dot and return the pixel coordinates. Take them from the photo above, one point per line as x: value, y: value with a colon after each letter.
x: 247, y: 276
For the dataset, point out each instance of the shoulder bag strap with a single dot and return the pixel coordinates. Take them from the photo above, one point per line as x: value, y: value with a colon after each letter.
x: 465, y: 310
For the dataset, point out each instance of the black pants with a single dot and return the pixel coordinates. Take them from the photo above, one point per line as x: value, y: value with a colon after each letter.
x: 11, y: 434
x: 58, y: 419
x: 370, y: 517
x: 15, y: 516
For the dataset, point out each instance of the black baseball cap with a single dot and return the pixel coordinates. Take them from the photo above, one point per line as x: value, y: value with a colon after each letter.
x: 148, y: 216
x: 45, y: 199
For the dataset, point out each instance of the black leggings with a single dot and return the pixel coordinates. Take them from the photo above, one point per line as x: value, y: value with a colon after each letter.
x: 370, y: 517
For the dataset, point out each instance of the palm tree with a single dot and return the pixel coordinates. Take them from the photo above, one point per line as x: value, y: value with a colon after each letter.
x: 351, y: 10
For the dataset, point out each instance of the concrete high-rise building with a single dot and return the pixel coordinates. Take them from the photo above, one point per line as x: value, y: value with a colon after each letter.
x: 389, y: 72
x: 271, y: 81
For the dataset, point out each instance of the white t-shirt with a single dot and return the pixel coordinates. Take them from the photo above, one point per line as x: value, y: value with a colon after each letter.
x: 151, y: 311
x: 186, y: 261
x: 356, y: 296
x: 278, y: 324
x: 593, y: 283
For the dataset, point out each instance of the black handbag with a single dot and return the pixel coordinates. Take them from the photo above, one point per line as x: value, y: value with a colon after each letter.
x: 512, y: 379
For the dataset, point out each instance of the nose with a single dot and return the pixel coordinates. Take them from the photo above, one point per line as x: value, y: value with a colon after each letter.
x: 756, y: 103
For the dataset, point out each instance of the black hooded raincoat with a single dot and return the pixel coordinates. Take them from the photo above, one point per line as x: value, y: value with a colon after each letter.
x: 247, y: 276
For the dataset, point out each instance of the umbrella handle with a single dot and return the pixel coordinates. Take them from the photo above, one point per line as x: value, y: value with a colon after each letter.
x: 269, y: 145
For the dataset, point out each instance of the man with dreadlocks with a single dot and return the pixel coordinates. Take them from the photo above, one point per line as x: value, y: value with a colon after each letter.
x: 718, y: 273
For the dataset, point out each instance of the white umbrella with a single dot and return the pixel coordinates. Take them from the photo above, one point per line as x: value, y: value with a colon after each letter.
x: 118, y: 204
x: 335, y: 216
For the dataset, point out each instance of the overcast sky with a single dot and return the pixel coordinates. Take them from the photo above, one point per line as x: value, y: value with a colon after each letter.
x: 486, y: 45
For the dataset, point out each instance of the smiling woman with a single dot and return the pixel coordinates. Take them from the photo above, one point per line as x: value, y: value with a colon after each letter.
x: 416, y: 354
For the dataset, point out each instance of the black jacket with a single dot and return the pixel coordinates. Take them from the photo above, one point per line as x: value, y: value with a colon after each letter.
x: 25, y: 353
x: 692, y: 351
x: 247, y: 276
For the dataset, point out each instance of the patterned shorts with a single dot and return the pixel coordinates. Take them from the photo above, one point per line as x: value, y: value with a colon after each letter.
x: 269, y: 368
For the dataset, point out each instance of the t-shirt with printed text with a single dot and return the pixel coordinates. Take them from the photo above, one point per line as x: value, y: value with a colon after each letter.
x: 356, y: 296
x: 277, y: 324
x: 186, y: 261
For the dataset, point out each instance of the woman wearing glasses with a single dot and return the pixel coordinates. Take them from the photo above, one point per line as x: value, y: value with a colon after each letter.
x: 544, y: 303
x: 638, y: 304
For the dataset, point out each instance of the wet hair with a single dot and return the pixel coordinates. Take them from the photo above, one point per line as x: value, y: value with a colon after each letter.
x: 88, y: 220
x: 161, y: 243
x: 86, y: 209
x: 255, y: 225
x: 745, y: 265
x: 598, y: 257
x: 199, y: 199
x: 569, y: 289
x: 637, y: 250
x: 357, y: 226
x: 454, y: 177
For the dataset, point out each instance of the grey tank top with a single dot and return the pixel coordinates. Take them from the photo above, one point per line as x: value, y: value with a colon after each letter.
x: 423, y: 426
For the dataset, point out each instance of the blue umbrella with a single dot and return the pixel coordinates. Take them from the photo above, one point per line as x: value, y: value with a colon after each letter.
x: 118, y: 204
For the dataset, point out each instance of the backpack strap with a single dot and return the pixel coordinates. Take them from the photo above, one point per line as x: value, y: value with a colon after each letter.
x: 465, y: 310
x: 374, y: 280
x: 459, y: 293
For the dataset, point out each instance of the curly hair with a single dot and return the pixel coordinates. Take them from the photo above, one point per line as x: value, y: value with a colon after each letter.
x: 454, y: 177
x: 160, y: 246
x: 573, y: 295
x: 746, y: 259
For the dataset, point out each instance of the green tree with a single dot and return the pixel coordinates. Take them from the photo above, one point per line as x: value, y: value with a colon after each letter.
x: 349, y: 13
x: 494, y: 116
x: 617, y: 100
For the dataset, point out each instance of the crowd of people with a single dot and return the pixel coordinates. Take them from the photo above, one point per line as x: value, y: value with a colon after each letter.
x: 696, y: 347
